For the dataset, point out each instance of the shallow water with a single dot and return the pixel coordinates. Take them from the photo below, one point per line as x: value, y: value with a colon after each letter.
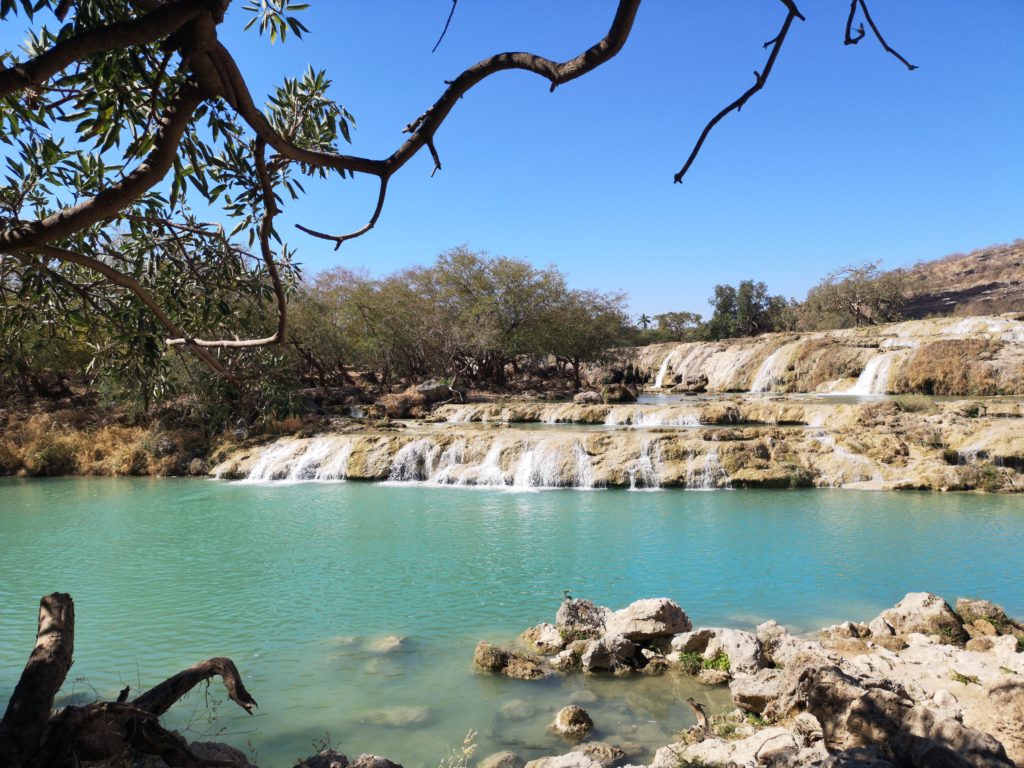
x: 303, y: 585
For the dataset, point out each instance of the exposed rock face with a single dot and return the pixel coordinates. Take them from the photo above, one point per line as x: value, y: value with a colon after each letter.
x: 617, y: 393
x: 920, y: 612
x: 611, y: 653
x: 571, y: 760
x: 956, y: 356
x: 648, y: 619
x: 573, y: 722
x: 545, y: 638
x: 747, y: 442
x: 581, y: 618
x: 587, y: 398
x: 608, y: 755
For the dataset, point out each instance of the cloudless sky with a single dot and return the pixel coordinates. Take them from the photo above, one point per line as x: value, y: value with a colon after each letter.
x: 845, y: 156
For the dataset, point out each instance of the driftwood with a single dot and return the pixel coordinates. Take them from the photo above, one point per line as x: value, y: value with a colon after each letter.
x: 32, y: 735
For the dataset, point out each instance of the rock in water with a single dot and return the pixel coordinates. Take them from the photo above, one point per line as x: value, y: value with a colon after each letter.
x: 503, y: 759
x: 581, y: 619
x: 518, y: 666
x: 573, y: 722
x: 544, y: 638
x: 648, y: 619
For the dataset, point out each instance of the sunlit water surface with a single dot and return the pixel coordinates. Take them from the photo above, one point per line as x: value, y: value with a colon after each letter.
x: 302, y: 584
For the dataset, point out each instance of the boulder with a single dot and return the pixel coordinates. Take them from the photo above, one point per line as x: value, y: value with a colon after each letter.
x: 565, y: 660
x: 328, y: 758
x: 571, y: 760
x: 504, y: 759
x: 692, y: 642
x: 581, y: 619
x: 544, y: 638
x: 607, y: 755
x: 742, y: 648
x: 516, y: 709
x: 573, y: 722
x: 373, y: 761
x: 518, y: 666
x: 753, y: 693
x: 618, y: 393
x: 925, y: 613
x: 434, y: 391
x: 983, y: 615
x: 608, y: 653
x: 587, y: 398
x: 648, y: 619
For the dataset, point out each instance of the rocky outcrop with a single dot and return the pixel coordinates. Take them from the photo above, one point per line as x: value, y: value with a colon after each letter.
x: 846, y: 699
x: 945, y: 356
x: 748, y: 441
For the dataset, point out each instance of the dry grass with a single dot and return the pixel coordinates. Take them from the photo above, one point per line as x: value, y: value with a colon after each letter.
x: 72, y: 442
x: 950, y: 367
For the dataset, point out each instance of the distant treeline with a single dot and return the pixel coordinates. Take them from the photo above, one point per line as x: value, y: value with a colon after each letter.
x: 468, y: 319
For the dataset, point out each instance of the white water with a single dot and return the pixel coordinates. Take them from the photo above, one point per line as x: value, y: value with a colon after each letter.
x: 546, y: 466
x: 643, y: 470
x: 708, y: 475
x: 659, y: 380
x: 874, y: 379
x: 773, y: 368
x: 320, y: 458
x: 658, y: 417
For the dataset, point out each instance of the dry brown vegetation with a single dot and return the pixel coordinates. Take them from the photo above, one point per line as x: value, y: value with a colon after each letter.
x: 951, y: 367
x: 988, y: 281
x: 67, y: 442
x: 823, y: 360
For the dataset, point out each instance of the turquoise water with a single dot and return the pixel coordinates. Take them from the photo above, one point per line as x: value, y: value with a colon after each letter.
x: 301, y: 585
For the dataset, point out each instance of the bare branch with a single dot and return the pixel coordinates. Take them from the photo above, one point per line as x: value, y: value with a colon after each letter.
x: 339, y: 239
x: 445, y: 30
x: 145, y: 29
x: 871, y: 23
x: 849, y: 38
x: 423, y: 128
x: 160, y: 698
x: 760, y: 78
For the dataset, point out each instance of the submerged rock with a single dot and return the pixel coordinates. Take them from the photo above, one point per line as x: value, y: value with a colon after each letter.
x: 518, y: 666
x: 608, y: 755
x: 504, y: 759
x: 573, y: 722
x: 571, y: 760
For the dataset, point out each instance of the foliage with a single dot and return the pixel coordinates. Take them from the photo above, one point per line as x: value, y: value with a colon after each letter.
x: 965, y: 679
x: 469, y: 317
x: 459, y: 757
x: 692, y: 662
x: 855, y: 295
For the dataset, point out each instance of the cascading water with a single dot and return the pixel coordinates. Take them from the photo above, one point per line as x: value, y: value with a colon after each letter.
x: 546, y: 465
x: 874, y: 379
x: 772, y: 369
x: 320, y: 458
x: 414, y: 461
x: 659, y: 380
x: 643, y: 470
x: 708, y: 475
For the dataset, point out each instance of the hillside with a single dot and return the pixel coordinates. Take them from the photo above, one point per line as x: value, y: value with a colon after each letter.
x: 987, y: 281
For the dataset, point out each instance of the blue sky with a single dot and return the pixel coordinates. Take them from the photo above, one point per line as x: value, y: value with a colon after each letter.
x: 845, y: 156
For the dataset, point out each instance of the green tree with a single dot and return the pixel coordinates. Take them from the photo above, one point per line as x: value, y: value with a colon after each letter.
x: 855, y: 295
x: 678, y: 326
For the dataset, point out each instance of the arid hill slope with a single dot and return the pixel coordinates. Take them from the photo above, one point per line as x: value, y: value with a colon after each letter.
x: 987, y: 281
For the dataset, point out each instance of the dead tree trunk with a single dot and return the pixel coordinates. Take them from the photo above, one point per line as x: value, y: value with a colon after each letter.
x: 33, y: 736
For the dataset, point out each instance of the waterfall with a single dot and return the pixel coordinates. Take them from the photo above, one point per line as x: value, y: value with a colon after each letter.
x: 414, y: 461
x: 709, y: 475
x: 643, y: 470
x: 546, y: 465
x: 320, y: 458
x: 874, y: 379
x: 659, y: 380
x: 657, y: 417
x: 769, y: 374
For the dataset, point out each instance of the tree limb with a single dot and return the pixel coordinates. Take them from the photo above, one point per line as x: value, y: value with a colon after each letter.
x: 146, y: 29
x: 107, y: 203
x: 871, y: 23
x: 760, y: 78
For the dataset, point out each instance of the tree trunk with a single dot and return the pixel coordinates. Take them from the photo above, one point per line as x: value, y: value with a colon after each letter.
x: 32, y: 736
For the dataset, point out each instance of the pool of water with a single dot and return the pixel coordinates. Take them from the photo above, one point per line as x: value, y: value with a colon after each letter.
x: 304, y: 585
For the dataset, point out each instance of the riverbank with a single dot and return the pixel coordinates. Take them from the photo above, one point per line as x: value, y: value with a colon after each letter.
x: 920, y: 684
